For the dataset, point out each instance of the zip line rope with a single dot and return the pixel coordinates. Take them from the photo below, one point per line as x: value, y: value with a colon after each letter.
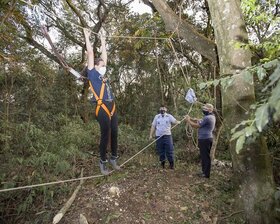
x: 122, y: 36
x: 40, y: 18
x: 89, y: 177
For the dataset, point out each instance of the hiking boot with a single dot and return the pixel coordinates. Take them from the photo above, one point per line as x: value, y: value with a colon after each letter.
x: 199, y: 174
x: 163, y: 164
x: 103, y: 167
x: 202, y: 175
x: 113, y: 162
x: 171, y: 165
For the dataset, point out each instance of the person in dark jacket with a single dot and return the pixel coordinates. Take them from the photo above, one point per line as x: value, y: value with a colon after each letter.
x: 205, y: 136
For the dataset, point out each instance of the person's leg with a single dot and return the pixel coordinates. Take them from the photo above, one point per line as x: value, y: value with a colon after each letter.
x: 114, y: 141
x: 169, y: 148
x: 161, y: 150
x: 157, y: 146
x: 201, y: 146
x: 104, y: 123
x: 114, y: 135
x: 208, y: 145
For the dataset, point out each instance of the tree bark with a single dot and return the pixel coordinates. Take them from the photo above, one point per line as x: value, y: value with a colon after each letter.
x: 173, y: 23
x: 252, y: 166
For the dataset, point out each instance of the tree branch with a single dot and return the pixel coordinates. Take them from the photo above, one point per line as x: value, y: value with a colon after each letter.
x: 76, y: 11
x: 61, y: 26
x: 148, y: 3
x: 29, y: 37
x: 173, y: 23
x: 232, y: 214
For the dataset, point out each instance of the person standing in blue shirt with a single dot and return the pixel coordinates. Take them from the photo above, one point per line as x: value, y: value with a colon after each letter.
x: 105, y: 106
x: 205, y: 136
x: 161, y: 126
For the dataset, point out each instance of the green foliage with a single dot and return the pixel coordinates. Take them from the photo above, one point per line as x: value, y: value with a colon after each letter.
x: 261, y: 18
x: 263, y: 112
x: 268, y: 110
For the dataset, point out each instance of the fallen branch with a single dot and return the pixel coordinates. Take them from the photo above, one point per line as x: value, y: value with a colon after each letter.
x: 83, y: 219
x: 67, y: 205
x: 228, y: 216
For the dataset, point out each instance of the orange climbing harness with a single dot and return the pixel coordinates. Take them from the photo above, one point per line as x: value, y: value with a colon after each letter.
x: 100, y: 103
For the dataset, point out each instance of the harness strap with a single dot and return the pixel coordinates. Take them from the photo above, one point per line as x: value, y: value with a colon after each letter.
x: 100, y: 103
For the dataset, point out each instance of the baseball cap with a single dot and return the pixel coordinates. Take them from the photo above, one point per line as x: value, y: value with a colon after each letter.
x: 208, y: 107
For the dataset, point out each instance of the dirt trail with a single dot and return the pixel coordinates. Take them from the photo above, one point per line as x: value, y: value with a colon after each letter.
x: 152, y: 195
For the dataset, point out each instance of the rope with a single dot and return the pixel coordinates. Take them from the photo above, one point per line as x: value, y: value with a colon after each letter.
x: 49, y: 183
x: 176, y: 56
x: 89, y: 177
x: 159, y: 74
x: 189, y: 130
x: 40, y: 17
x: 121, y: 36
x: 189, y: 133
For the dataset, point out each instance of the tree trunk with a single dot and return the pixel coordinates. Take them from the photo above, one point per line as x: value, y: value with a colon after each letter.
x: 252, y: 165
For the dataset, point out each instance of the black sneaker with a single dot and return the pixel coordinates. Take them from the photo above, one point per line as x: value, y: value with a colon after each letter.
x: 163, y: 164
x: 202, y: 175
x: 171, y: 165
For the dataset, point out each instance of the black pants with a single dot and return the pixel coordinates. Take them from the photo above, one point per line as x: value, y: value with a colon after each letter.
x: 204, y: 148
x: 108, y: 129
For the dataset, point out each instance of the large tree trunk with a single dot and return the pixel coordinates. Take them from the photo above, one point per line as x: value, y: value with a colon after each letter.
x: 252, y: 165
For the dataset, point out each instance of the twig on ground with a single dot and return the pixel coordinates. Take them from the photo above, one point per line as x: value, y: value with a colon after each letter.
x: 228, y: 216
x: 67, y: 205
x: 83, y: 219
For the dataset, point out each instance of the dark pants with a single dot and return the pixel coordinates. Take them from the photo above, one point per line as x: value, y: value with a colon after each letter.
x: 165, y: 148
x: 108, y: 129
x: 204, y: 148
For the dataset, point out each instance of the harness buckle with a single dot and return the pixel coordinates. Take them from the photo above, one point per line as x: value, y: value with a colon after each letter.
x: 99, y: 102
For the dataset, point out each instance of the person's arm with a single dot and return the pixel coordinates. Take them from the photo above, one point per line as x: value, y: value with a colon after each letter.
x: 152, y: 131
x: 194, y: 119
x: 173, y: 120
x: 103, y: 47
x: 177, y: 122
x: 193, y: 122
x: 90, y: 53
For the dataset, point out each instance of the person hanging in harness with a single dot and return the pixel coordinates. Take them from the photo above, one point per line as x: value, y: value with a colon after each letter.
x: 161, y: 126
x: 105, y: 112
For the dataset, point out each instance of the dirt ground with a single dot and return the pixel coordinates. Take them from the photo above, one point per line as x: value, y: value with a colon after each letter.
x: 156, y: 196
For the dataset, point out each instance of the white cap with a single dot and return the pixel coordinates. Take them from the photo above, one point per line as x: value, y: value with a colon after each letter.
x: 209, y: 107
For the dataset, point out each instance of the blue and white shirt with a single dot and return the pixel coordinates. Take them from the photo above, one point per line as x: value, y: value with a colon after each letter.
x: 162, y: 124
